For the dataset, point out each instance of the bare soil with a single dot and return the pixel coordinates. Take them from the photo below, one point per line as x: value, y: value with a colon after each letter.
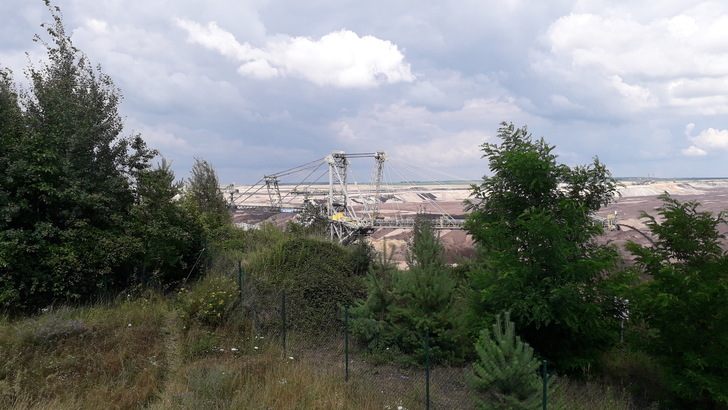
x: 406, y: 202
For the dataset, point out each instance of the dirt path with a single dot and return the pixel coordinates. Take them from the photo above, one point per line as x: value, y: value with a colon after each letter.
x: 171, y: 329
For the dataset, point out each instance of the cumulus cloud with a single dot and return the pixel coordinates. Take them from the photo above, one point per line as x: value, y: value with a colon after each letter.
x: 341, y: 58
x: 637, y: 95
x: 708, y: 140
x: 675, y: 58
x: 694, y: 151
x: 712, y: 138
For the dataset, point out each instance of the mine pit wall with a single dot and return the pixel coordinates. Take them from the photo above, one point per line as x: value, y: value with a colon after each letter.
x: 633, y: 198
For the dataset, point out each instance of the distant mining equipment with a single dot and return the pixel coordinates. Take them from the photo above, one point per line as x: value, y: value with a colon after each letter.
x: 610, y: 223
x: 350, y: 214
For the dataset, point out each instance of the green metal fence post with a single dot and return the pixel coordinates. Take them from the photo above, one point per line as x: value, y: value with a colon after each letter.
x: 346, y: 339
x: 283, y: 316
x: 545, y: 377
x: 427, y: 368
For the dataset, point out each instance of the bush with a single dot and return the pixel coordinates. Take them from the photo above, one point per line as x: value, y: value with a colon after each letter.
x: 319, y: 278
x: 209, y: 303
x: 637, y: 372
x: 684, y: 303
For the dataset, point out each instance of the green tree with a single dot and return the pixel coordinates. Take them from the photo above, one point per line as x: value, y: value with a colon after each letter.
x: 532, y: 221
x: 506, y: 371
x: 425, y: 249
x: 685, y: 302
x: 203, y: 192
x: 171, y: 237
x: 401, y: 305
x: 70, y: 183
x: 11, y: 131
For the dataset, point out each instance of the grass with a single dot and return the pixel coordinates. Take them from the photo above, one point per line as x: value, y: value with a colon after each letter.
x: 137, y: 354
x: 134, y: 354
x: 78, y: 358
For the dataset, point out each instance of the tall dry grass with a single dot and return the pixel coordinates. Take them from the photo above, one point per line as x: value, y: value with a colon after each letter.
x: 89, y: 358
x: 79, y: 358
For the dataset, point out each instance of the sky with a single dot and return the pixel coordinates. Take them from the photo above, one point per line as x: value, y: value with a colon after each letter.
x: 260, y: 86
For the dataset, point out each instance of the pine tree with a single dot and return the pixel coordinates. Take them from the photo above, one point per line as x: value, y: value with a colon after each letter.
x: 402, y: 304
x: 425, y: 250
x: 506, y: 373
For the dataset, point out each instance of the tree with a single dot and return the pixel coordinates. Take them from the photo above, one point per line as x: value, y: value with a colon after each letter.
x: 171, y: 237
x: 532, y: 221
x: 203, y: 192
x: 506, y: 371
x: 401, y: 305
x: 11, y: 131
x: 70, y: 182
x: 685, y: 302
x: 425, y: 249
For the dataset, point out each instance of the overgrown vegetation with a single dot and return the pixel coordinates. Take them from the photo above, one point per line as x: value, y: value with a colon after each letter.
x: 78, y: 358
x: 82, y: 212
x: 120, y: 285
x: 402, y: 304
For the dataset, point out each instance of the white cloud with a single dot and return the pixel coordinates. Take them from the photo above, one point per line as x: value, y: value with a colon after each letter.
x: 341, y: 58
x: 688, y: 129
x: 638, y: 96
x: 345, y: 132
x: 708, y: 140
x: 676, y: 58
x: 258, y: 69
x: 694, y: 151
x: 217, y: 39
x: 619, y: 44
x: 446, y: 151
x: 712, y: 138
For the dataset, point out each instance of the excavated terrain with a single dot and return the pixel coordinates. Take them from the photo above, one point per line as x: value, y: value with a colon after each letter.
x: 407, y: 201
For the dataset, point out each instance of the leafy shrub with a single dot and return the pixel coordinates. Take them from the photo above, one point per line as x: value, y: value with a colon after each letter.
x: 684, y: 303
x: 318, y: 276
x: 208, y: 303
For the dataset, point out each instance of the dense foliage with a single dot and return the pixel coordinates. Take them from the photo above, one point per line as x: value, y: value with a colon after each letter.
x: 532, y: 220
x: 402, y: 304
x: 202, y: 195
x: 319, y: 277
x: 82, y: 212
x: 684, y: 303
